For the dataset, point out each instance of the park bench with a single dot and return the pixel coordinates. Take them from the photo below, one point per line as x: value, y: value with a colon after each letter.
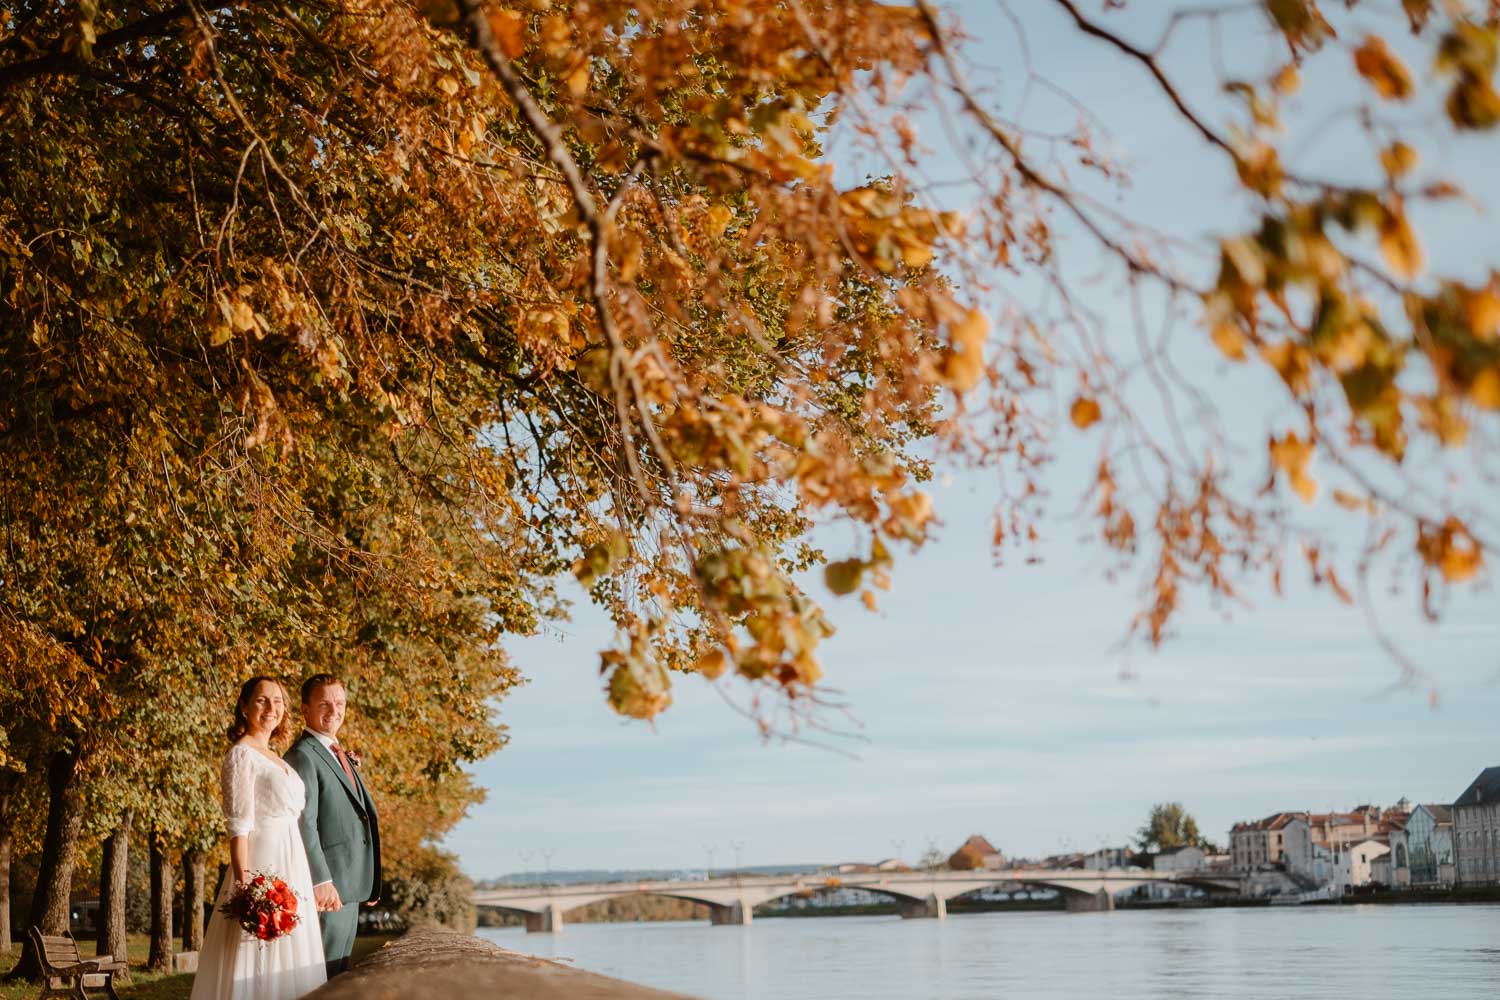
x: 65, y: 974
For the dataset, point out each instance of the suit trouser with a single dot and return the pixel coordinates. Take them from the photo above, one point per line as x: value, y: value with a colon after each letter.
x: 338, y: 936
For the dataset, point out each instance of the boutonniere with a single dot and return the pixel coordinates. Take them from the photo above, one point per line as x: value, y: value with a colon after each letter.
x: 354, y: 757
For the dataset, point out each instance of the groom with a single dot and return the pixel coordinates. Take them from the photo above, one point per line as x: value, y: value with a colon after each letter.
x: 339, y: 825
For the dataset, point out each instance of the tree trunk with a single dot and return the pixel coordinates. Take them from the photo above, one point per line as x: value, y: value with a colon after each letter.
x: 54, y: 881
x: 9, y: 780
x: 112, y: 890
x: 163, y: 877
x: 192, y: 899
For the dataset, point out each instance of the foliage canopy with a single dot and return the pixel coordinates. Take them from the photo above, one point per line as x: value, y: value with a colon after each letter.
x: 333, y: 332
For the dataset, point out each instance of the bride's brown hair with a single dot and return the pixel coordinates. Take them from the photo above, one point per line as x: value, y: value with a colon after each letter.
x: 241, y: 724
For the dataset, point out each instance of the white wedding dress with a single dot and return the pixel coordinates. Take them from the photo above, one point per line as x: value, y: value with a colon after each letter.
x: 262, y: 800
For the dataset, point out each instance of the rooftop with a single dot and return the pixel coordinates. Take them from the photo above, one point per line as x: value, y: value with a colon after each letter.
x: 1484, y: 789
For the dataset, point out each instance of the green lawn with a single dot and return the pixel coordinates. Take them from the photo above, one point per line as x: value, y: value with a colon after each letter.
x: 143, y: 985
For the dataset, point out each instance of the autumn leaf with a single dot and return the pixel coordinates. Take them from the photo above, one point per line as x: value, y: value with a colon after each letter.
x: 1450, y: 549
x: 1398, y: 159
x: 1485, y: 389
x: 963, y: 362
x: 1291, y: 455
x: 1399, y: 243
x: 712, y: 665
x: 509, y: 29
x: 1230, y: 340
x: 1385, y: 72
x: 844, y: 577
x: 1084, y: 412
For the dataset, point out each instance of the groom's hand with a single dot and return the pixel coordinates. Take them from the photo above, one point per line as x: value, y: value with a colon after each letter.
x: 327, y: 898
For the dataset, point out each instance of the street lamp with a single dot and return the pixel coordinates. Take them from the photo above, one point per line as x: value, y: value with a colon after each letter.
x: 736, y: 845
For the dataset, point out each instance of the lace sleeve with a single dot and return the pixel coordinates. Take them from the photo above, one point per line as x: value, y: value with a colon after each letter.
x: 237, y: 785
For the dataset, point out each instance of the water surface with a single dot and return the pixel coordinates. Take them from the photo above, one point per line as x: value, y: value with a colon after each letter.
x: 1421, y: 951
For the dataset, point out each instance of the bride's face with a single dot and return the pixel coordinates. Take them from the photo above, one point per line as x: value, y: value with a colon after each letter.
x: 265, y: 709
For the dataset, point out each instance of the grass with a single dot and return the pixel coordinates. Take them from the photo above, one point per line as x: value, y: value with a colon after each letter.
x: 143, y: 984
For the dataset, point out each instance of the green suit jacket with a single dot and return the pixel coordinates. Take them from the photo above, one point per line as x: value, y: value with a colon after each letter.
x: 340, y: 828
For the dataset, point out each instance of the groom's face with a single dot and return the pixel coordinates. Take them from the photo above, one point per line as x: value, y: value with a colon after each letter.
x: 324, y: 711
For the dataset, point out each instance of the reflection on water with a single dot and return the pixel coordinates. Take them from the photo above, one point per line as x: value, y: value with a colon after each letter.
x: 1425, y: 952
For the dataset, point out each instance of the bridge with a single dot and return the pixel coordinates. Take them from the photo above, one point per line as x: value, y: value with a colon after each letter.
x: 917, y: 894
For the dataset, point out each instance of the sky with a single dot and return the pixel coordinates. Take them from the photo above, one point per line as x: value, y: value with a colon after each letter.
x: 997, y: 699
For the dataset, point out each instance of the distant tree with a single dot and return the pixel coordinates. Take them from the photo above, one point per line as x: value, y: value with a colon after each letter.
x: 966, y: 859
x: 932, y: 859
x: 1169, y: 827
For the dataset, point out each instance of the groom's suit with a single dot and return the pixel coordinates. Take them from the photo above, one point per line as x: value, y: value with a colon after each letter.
x: 341, y: 832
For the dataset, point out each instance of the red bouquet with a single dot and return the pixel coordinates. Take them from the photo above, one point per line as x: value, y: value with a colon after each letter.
x: 265, y: 906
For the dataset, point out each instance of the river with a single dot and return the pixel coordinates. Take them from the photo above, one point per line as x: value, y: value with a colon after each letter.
x: 1420, y: 951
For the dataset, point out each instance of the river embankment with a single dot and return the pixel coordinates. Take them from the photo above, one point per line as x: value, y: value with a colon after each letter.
x: 439, y: 964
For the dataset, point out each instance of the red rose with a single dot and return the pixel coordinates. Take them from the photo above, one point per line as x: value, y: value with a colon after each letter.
x: 258, y: 880
x: 285, y: 921
x: 291, y: 905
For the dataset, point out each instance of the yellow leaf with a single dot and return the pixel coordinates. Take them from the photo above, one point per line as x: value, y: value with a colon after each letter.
x: 1485, y: 389
x: 1399, y: 243
x: 716, y: 220
x: 843, y: 577
x: 579, y: 80
x: 1386, y: 73
x: 1229, y: 339
x: 1084, y: 412
x: 713, y: 664
x: 1353, y: 501
x: 1398, y: 159
x: 1288, y: 80
x: 1450, y: 549
x: 1292, y: 454
x: 1305, y: 486
x: 1292, y: 361
x: 447, y: 84
x: 509, y: 29
x: 1482, y: 309
x: 242, y: 317
x: 963, y: 363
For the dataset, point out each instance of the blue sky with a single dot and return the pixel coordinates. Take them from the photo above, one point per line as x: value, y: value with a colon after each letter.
x: 996, y: 699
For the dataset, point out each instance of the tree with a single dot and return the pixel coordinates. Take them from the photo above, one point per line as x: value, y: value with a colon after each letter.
x: 966, y: 859
x: 114, y: 865
x: 933, y: 859
x: 1168, y: 828
x: 335, y: 333
x: 9, y: 780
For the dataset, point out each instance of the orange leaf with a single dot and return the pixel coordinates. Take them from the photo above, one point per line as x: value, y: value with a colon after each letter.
x: 1398, y: 159
x: 1485, y: 389
x: 1399, y: 243
x: 509, y: 29
x: 1229, y: 339
x: 1386, y: 73
x: 1085, y: 412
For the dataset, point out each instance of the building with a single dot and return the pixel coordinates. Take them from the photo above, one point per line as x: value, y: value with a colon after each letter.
x: 1108, y: 859
x: 1340, y: 829
x: 1260, y: 844
x: 1476, y: 830
x: 1297, y: 846
x: 1352, y: 865
x: 1184, y: 859
x: 1422, y: 850
x: 976, y: 854
x: 1400, y: 859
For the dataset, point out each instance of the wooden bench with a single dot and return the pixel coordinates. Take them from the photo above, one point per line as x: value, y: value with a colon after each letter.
x: 65, y: 974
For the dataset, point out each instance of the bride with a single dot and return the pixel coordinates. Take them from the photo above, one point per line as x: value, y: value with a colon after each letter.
x: 263, y: 798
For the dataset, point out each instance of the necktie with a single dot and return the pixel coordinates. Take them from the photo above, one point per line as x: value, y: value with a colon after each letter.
x: 338, y: 752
